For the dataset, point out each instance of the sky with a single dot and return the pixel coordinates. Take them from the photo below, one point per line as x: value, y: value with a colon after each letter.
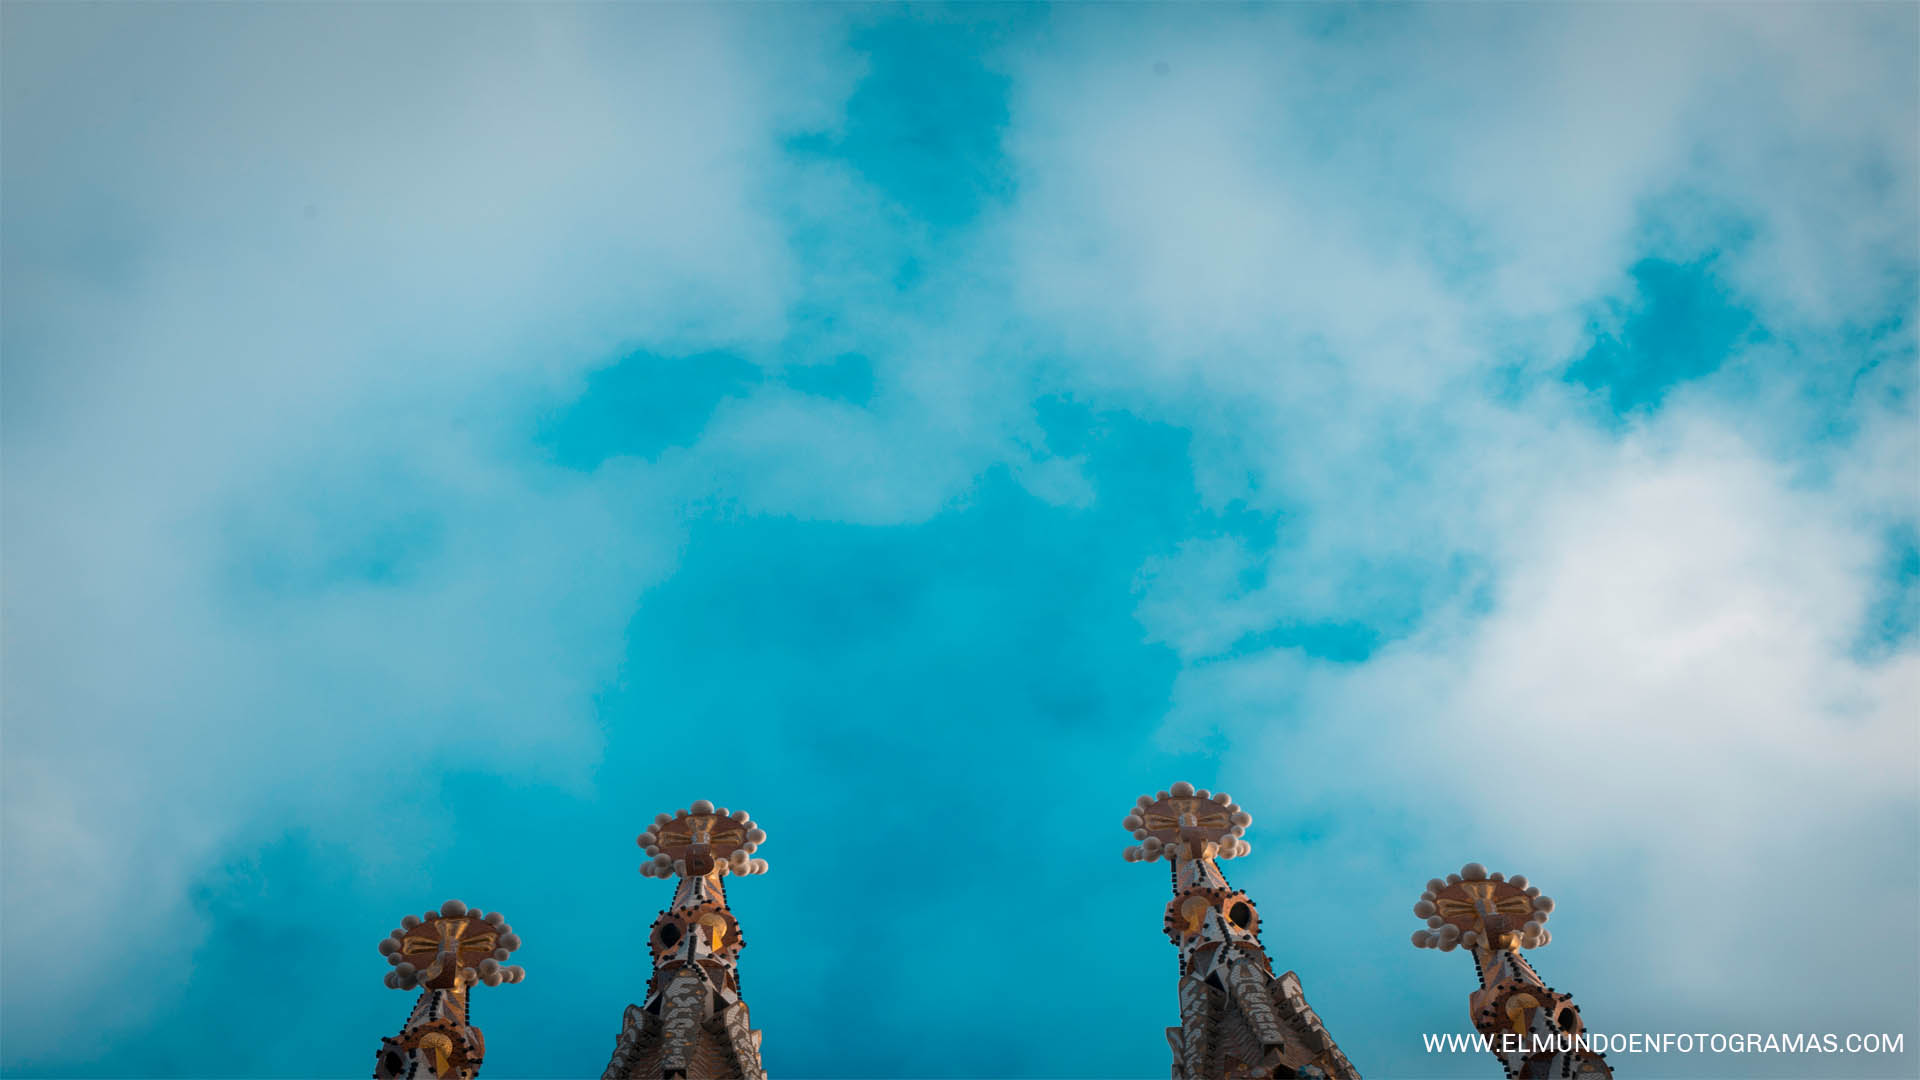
x: 439, y: 438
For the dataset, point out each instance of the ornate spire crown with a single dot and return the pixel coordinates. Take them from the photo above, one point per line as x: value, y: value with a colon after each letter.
x: 1475, y: 908
x: 451, y: 949
x: 443, y: 954
x: 703, y: 840
x: 1185, y: 823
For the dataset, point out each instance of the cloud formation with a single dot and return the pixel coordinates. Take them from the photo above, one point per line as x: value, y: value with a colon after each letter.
x: 432, y: 450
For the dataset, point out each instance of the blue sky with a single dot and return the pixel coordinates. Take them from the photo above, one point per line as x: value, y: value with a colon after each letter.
x: 439, y: 439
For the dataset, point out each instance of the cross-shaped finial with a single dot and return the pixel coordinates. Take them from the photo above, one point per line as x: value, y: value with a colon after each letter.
x: 1482, y: 910
x: 702, y: 840
x: 451, y: 949
x: 1183, y: 822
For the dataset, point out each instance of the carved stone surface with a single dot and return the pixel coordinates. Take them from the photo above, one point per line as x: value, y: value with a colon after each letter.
x: 744, y: 1040
x: 1249, y: 986
x: 681, y: 1018
x: 1199, y: 1009
x: 436, y: 1042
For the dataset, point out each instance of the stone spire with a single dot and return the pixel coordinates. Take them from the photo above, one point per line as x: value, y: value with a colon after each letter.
x: 443, y: 954
x: 1531, y: 1027
x: 694, y: 1025
x: 1237, y: 1020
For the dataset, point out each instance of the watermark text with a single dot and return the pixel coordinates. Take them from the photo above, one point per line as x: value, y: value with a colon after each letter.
x: 1666, y: 1042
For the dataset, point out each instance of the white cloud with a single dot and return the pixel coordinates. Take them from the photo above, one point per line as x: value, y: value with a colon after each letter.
x: 1355, y: 265
x: 315, y: 250
x: 1666, y: 689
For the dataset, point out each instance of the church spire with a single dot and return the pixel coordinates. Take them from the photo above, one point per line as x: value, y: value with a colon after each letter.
x: 1237, y: 1020
x: 693, y: 1025
x: 443, y: 954
x: 1531, y: 1027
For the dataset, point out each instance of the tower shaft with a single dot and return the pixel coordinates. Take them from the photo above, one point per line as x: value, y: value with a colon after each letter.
x: 1237, y: 1018
x: 1531, y: 1027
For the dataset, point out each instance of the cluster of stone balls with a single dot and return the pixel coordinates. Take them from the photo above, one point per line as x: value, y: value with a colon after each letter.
x: 1446, y: 936
x: 489, y: 971
x: 1152, y: 848
x: 738, y: 861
